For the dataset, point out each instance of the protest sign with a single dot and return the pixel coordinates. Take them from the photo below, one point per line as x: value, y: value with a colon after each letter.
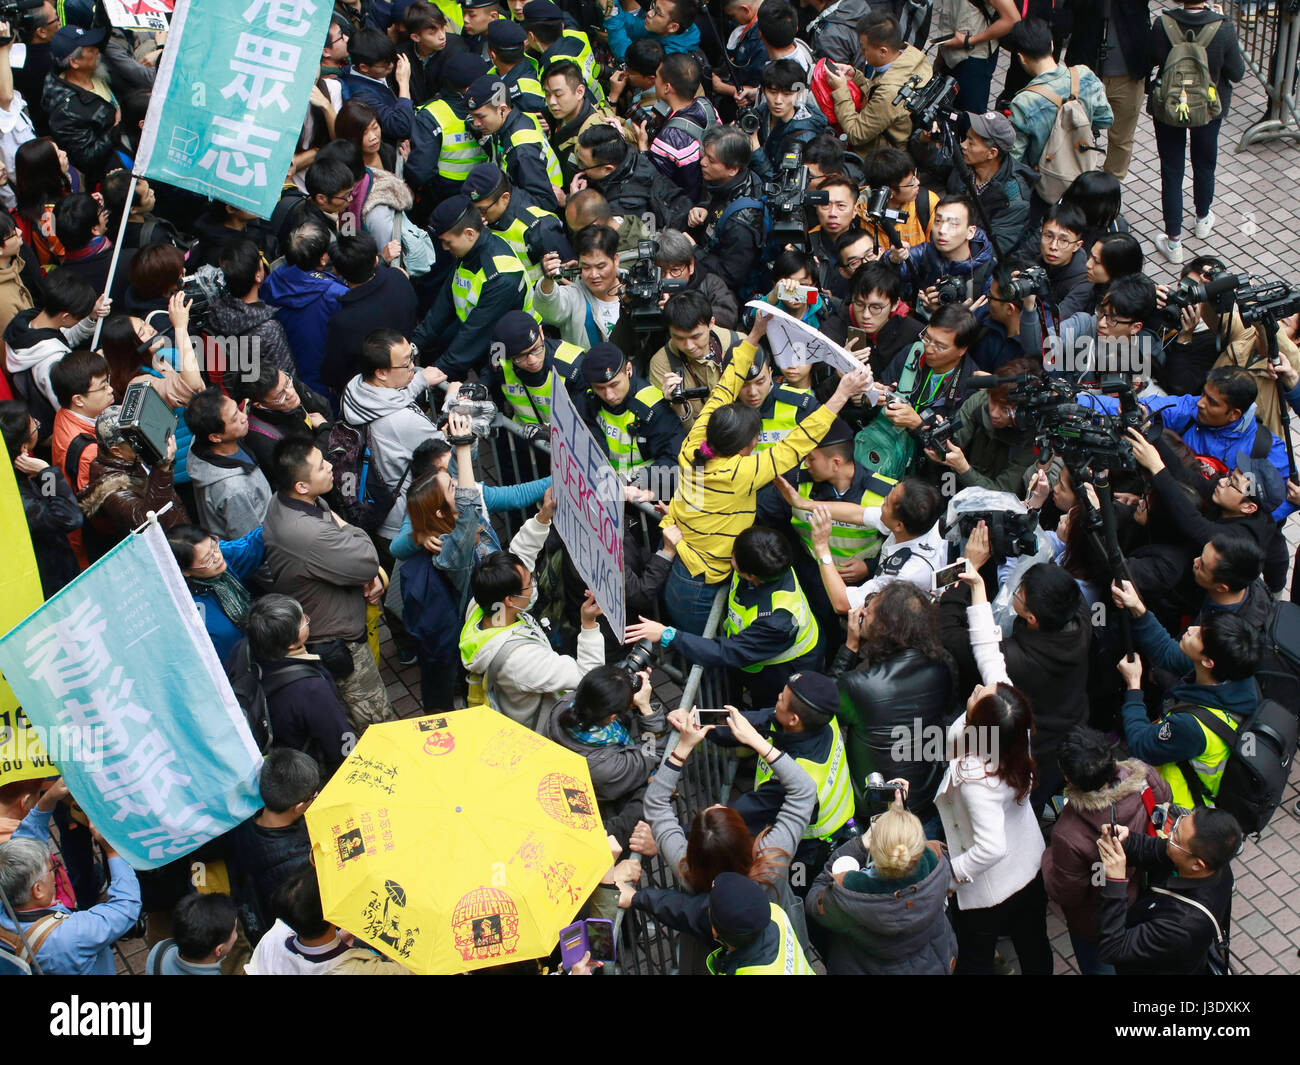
x: 589, y: 505
x: 119, y: 661
x: 230, y: 96
x: 795, y: 343
x: 139, y: 14
x: 22, y: 756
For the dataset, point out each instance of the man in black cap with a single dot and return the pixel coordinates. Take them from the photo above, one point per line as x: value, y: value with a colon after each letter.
x: 521, y: 377
x: 428, y: 41
x: 631, y: 421
x: 757, y: 937
x: 81, y: 107
x: 489, y: 281
x: 515, y: 143
x: 549, y: 39
x: 505, y: 40
x: 444, y: 149
x: 531, y: 231
x: 479, y: 16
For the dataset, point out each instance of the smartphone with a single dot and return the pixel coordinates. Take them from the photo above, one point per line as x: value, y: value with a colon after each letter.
x: 600, y: 939
x: 1114, y: 829
x: 714, y: 717
x: 947, y: 576
x: 792, y: 292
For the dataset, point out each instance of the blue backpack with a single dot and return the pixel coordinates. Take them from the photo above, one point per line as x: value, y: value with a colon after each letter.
x: 760, y: 278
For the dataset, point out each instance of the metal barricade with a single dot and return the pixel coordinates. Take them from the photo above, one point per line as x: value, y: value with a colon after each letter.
x: 1269, y: 34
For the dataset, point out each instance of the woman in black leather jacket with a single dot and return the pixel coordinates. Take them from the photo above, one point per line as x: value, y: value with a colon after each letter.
x: 901, y: 676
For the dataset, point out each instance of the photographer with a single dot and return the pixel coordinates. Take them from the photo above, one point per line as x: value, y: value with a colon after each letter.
x: 878, y: 122
x: 968, y: 35
x: 696, y: 351
x: 1003, y: 184
x: 1001, y: 339
x: 1114, y: 340
x: 894, y: 169
x: 786, y: 119
x: 769, y: 631
x: 934, y: 373
x: 629, y: 181
x: 589, y: 311
x: 527, y: 228
x: 795, y: 291
x: 675, y: 257
x: 630, y: 420
x: 675, y: 148
x: 988, y: 450
x: 957, y: 248
x: 505, y: 649
x: 732, y: 214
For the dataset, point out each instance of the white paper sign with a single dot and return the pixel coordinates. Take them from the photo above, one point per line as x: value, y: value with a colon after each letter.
x: 796, y: 343
x: 588, y: 506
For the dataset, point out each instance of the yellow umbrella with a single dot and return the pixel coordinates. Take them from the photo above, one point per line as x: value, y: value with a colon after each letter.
x: 457, y: 841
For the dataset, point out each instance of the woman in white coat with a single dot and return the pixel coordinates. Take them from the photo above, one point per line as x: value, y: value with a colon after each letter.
x: 994, y: 842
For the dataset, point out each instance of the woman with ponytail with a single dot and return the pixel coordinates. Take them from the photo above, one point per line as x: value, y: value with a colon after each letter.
x: 721, y: 472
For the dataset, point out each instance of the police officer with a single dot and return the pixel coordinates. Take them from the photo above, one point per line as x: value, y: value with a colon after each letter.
x: 489, y: 281
x: 478, y: 16
x: 549, y: 39
x: 444, y: 147
x: 769, y: 631
x: 515, y: 68
x: 528, y: 229
x: 515, y: 143
x: 631, y: 420
x: 523, y: 374
x: 780, y: 407
x: 757, y: 937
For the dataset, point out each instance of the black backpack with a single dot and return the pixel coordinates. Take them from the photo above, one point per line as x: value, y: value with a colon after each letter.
x: 359, y: 494
x: 252, y: 690
x: 1260, y: 751
x: 1278, y: 675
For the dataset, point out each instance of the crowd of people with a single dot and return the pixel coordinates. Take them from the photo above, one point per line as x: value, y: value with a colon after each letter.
x: 998, y: 601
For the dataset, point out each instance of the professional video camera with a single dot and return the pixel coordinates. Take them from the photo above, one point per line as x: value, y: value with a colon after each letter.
x: 23, y: 16
x: 202, y: 288
x: 928, y: 103
x: 787, y: 197
x: 653, y: 117
x: 1031, y: 281
x: 644, y: 284
x: 951, y: 289
x: 1268, y: 301
x: 472, y: 400
x: 878, y: 206
x: 1010, y: 534
x: 934, y: 432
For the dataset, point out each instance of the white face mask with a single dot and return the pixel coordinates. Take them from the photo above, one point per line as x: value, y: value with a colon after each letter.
x: 532, y: 598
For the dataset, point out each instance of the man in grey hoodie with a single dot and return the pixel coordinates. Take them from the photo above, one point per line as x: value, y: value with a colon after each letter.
x: 230, y: 491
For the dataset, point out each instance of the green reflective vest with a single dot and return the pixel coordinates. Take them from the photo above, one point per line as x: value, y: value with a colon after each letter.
x: 784, y: 594
x: 784, y: 417
x: 790, y: 959
x: 454, y: 12
x: 531, y: 405
x: 531, y: 134
x: 514, y: 234
x: 620, y: 430
x: 847, y: 540
x: 467, y: 285
x: 1209, y: 766
x: 472, y: 641
x: 587, y: 61
x: 834, y: 790
x: 461, y: 151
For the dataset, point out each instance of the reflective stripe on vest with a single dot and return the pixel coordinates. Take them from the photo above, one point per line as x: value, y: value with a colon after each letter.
x: 517, y: 393
x: 790, y: 959
x: 1208, y: 767
x: 847, y: 539
x: 531, y: 135
x: 785, y: 416
x: 454, y: 12
x: 740, y: 617
x: 624, y: 451
x: 834, y: 790
x: 514, y: 234
x: 587, y: 61
x: 461, y: 151
x: 467, y: 285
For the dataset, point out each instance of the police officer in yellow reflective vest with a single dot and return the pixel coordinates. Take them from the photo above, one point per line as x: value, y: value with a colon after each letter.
x: 444, y: 146
x: 516, y: 144
x: 756, y: 936
x: 780, y: 407
x: 530, y: 231
x: 769, y: 631
x: 550, y: 39
x: 477, y: 17
x: 522, y: 373
x: 1189, y: 744
x: 515, y: 69
x: 631, y: 420
x: 488, y: 282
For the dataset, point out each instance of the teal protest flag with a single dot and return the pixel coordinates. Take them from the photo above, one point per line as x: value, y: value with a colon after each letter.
x: 230, y: 97
x: 120, y: 671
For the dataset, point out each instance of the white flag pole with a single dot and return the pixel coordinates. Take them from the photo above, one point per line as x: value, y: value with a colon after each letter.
x: 117, y: 254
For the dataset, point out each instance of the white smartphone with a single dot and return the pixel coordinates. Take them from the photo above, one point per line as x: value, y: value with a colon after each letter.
x: 947, y: 576
x: 704, y: 716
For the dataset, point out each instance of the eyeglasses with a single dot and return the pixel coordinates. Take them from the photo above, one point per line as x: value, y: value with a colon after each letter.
x: 853, y: 262
x: 1110, y: 316
x: 915, y: 183
x: 1173, y: 832
x: 282, y: 396
x: 871, y: 308
x: 930, y: 342
x: 409, y: 364
x: 1059, y: 240
x: 99, y: 388
x: 210, y: 560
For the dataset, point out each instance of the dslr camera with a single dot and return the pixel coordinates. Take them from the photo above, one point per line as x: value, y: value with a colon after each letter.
x: 653, y: 117
x: 23, y: 16
x: 748, y: 121
x: 637, y: 659
x: 934, y: 432
x: 472, y: 400
x: 951, y: 289
x: 1219, y: 292
x: 787, y: 197
x: 1031, y: 282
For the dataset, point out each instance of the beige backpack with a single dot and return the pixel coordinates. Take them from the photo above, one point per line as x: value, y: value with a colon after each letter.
x: 1071, y: 148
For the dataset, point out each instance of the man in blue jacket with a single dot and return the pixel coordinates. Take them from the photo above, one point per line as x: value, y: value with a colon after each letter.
x: 957, y: 248
x: 374, y: 57
x: 672, y: 21
x: 65, y: 943
x: 306, y: 297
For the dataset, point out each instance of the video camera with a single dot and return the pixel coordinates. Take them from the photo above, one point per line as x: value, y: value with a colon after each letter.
x: 1267, y: 302
x: 23, y: 16
x: 1010, y: 534
x: 787, y: 197
x: 644, y: 284
x: 202, y: 288
x: 473, y: 402
x: 934, y: 432
x: 931, y: 102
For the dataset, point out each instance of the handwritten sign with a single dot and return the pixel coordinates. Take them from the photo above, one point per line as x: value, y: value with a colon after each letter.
x: 589, y: 506
x: 795, y: 343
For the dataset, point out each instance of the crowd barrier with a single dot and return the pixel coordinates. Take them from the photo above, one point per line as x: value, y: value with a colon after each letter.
x: 1269, y: 32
